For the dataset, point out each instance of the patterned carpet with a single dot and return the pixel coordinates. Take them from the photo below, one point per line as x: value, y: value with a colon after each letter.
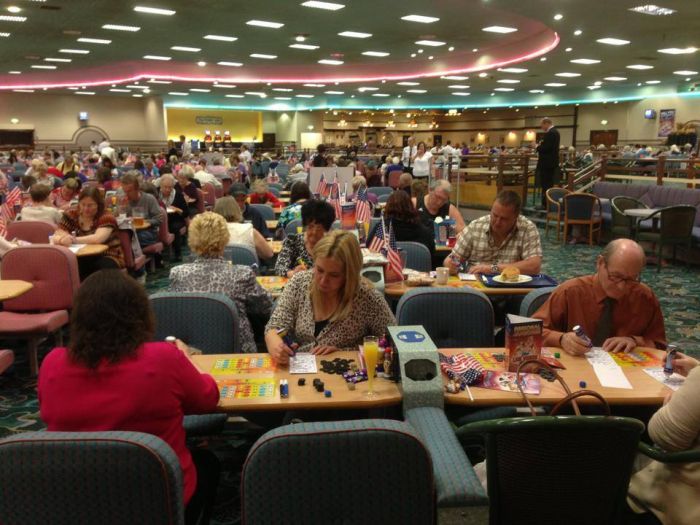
x: 677, y: 287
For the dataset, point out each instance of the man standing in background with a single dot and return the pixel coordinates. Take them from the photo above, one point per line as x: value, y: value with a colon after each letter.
x: 548, y: 157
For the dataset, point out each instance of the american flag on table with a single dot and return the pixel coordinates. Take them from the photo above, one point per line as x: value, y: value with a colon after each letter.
x: 393, y: 253
x: 363, y: 212
x: 462, y: 366
x: 334, y: 199
x: 322, y: 185
x: 377, y: 245
x: 7, y: 211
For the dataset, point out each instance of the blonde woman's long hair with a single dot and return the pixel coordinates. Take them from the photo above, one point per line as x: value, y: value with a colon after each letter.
x: 343, y: 247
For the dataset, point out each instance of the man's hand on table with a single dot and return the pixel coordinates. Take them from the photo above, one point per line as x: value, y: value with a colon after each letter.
x: 619, y: 344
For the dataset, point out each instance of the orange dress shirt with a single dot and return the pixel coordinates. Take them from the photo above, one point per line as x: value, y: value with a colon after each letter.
x: 580, y: 302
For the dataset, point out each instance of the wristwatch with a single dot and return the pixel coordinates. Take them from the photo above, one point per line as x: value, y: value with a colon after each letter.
x: 494, y: 268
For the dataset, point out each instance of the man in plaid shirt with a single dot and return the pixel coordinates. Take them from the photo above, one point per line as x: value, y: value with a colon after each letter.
x: 502, y: 238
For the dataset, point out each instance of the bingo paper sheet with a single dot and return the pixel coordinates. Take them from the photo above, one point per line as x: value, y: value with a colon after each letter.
x: 244, y: 365
x: 246, y: 388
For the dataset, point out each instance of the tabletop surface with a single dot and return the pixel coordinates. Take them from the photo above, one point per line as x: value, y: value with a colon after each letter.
x: 645, y: 391
x: 92, y: 249
x: 398, y: 289
x: 639, y: 212
x: 272, y: 225
x: 303, y: 397
x: 9, y: 289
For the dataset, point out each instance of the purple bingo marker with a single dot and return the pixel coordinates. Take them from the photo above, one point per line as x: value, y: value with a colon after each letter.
x: 457, y: 261
x: 284, y: 334
x: 671, y: 351
x: 578, y: 330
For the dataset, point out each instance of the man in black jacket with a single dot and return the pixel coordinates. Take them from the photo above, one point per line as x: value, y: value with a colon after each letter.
x: 548, y: 157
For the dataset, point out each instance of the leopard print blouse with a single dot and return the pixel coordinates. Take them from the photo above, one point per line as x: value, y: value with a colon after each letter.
x: 294, y: 312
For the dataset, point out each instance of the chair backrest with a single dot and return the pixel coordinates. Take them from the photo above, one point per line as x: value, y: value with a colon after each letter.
x: 36, y: 232
x: 209, y: 193
x: 282, y: 170
x: 533, y: 300
x: 579, y: 206
x: 265, y: 210
x: 207, y: 321
x: 163, y: 230
x: 677, y: 222
x: 241, y: 254
x: 274, y: 191
x: 578, y: 457
x: 621, y: 203
x: 454, y: 318
x: 291, y: 227
x: 275, y: 185
x: 332, y: 458
x: 380, y: 190
x: 201, y: 207
x: 53, y: 270
x: 554, y: 199
x: 383, y: 198
x: 417, y: 256
x: 110, y: 478
x: 127, y: 250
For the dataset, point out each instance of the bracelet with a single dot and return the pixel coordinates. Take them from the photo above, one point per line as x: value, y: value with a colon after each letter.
x: 561, y: 339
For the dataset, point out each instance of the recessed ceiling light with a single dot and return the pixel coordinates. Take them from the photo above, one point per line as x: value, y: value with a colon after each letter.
x: 14, y: 9
x: 451, y: 48
x: 263, y: 55
x: 578, y: 32
x: 375, y: 53
x: 653, y: 82
x: 460, y: 93
x: 513, y: 70
x: 651, y: 9
x: 221, y: 38
x: 15, y: 72
x: 543, y: 59
x: 117, y: 27
x: 367, y: 88
x: 678, y: 50
x: 330, y: 62
x: 315, y: 85
x: 615, y: 79
x: 186, y: 49
x: 283, y: 98
x: 454, y: 77
x: 499, y: 29
x: 23, y: 90
x: 118, y: 90
x: 508, y: 81
x: 230, y: 64
x: 420, y: 50
x: 282, y: 90
x: 157, y: 57
x: 154, y: 81
x: 303, y: 46
x: 224, y: 86
x: 555, y: 84
x: 558, y: 16
x: 334, y: 92
x: 458, y: 86
x: 408, y: 83
x: 137, y: 95
x: 640, y: 67
x: 178, y: 93
x: 380, y: 95
x: 58, y: 60
x: 304, y: 95
x: 597, y: 83
x: 569, y: 49
x: 329, y: 6
x: 685, y: 72
x: 355, y: 34
x: 483, y: 74
x: 84, y: 92
x: 42, y: 66
x: 613, y: 41
x: 154, y: 10
x: 74, y: 51
x: 4, y: 35
x: 200, y: 90
x: 256, y: 94
x: 593, y: 87
x: 264, y: 23
x: 232, y: 95
x: 537, y: 91
x: 8, y: 18
x: 430, y: 43
x: 136, y: 86
x: 201, y: 63
x: 585, y: 61
x: 567, y: 75
x: 94, y: 41
x: 416, y: 91
x: 420, y: 18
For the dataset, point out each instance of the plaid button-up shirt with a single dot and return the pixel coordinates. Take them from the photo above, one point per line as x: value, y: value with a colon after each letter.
x: 476, y: 245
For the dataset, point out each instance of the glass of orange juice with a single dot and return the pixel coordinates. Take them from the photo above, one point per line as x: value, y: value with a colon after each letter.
x: 370, y: 352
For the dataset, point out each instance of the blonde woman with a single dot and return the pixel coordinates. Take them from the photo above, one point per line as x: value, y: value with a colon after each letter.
x: 260, y: 194
x: 210, y: 273
x: 241, y: 232
x: 331, y: 307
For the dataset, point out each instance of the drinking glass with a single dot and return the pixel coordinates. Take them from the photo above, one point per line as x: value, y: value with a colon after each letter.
x: 370, y: 352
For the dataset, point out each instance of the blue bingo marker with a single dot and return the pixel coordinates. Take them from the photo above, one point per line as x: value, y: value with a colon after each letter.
x: 671, y: 351
x: 582, y: 335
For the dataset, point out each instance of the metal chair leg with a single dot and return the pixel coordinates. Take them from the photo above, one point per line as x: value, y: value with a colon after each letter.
x: 32, y: 349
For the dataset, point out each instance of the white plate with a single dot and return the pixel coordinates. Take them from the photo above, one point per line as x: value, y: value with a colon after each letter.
x: 521, y: 279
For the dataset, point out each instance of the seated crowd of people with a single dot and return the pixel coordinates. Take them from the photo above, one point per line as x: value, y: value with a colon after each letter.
x: 326, y: 303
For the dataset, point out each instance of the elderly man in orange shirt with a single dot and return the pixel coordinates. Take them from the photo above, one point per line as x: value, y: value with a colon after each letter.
x: 616, y: 311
